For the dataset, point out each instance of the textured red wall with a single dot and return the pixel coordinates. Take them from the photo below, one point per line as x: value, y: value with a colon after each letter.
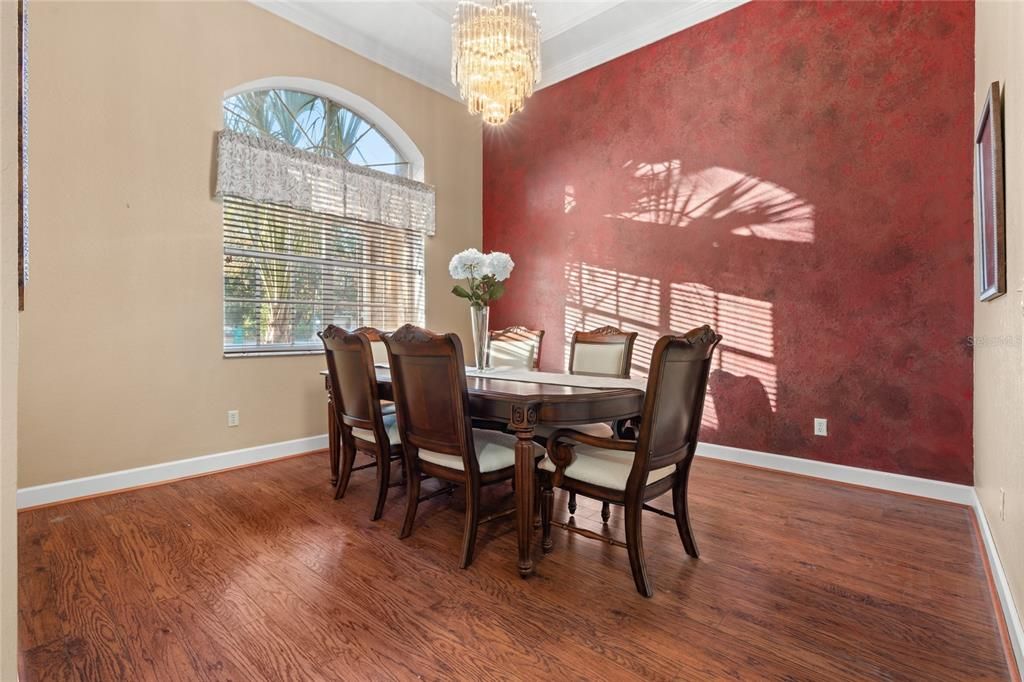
x: 796, y: 174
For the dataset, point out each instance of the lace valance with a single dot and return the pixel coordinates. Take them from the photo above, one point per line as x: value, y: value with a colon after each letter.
x: 264, y: 170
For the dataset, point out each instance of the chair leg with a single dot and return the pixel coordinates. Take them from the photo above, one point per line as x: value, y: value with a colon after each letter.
x: 333, y: 443
x: 572, y: 502
x: 472, y: 516
x: 383, y: 482
x: 682, y: 509
x: 348, y: 457
x: 606, y: 512
x: 538, y: 492
x: 635, y: 548
x: 412, y: 487
x: 547, y: 509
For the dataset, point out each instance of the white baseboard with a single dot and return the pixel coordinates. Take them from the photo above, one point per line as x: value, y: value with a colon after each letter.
x: 167, y: 471
x: 1012, y: 617
x: 882, y: 480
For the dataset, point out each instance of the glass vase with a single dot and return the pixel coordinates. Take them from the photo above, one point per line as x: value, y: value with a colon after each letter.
x: 479, y: 318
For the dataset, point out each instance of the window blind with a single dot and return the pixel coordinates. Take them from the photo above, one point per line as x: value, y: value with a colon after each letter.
x: 289, y: 272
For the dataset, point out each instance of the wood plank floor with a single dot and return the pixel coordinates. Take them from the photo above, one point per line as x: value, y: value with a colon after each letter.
x: 257, y: 574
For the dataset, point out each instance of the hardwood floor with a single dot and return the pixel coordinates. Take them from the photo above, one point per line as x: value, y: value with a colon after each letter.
x: 257, y: 574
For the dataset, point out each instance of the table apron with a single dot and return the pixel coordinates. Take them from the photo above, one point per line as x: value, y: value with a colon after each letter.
x: 556, y: 413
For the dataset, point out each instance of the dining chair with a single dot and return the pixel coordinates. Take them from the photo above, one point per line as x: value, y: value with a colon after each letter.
x: 380, y: 357
x: 511, y: 348
x: 515, y: 347
x: 366, y: 424
x: 603, y: 352
x: 377, y: 348
x: 428, y: 375
x: 631, y: 473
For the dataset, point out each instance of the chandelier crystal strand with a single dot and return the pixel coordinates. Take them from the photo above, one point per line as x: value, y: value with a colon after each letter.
x: 495, y: 56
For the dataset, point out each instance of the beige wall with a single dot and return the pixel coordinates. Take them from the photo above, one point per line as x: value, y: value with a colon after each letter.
x: 8, y: 339
x: 121, y: 341
x: 998, y: 328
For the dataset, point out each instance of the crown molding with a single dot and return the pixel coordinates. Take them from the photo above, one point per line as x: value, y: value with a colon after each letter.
x: 305, y: 16
x: 435, y: 8
x: 558, y: 29
x: 444, y: 12
x: 656, y: 27
x: 651, y: 31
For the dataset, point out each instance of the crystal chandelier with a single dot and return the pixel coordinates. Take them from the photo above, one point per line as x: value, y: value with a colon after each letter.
x: 495, y: 56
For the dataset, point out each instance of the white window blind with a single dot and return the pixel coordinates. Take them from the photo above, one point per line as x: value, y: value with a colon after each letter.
x: 290, y: 272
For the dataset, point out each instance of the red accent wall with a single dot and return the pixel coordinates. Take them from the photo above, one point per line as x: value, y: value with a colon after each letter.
x: 796, y: 174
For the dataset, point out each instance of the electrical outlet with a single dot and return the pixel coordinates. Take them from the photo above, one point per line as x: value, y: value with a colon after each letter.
x: 1002, y: 504
x: 232, y: 417
x: 820, y: 426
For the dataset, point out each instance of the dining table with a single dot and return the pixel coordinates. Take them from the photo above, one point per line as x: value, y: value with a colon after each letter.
x: 525, y: 399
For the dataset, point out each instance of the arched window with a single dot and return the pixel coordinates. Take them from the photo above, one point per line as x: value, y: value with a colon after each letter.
x: 315, y: 124
x: 289, y: 271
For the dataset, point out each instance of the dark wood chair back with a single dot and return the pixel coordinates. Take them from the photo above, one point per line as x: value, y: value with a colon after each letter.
x: 515, y: 347
x: 353, y: 379
x: 428, y: 375
x: 376, y: 339
x: 674, y: 401
x: 606, y: 351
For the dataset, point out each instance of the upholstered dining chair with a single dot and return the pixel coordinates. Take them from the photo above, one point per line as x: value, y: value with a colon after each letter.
x: 515, y: 347
x: 380, y: 357
x: 604, y: 352
x: 630, y: 473
x: 377, y: 348
x: 428, y: 376
x: 366, y: 424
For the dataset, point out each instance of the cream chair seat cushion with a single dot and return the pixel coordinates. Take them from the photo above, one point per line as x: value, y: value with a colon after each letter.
x: 598, y: 430
x: 494, y: 450
x: 606, y: 468
x: 390, y: 427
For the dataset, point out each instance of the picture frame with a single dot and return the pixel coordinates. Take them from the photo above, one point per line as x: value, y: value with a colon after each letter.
x: 23, y: 263
x: 990, y: 207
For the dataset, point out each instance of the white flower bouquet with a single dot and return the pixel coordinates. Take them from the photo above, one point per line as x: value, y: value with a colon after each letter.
x: 484, y: 274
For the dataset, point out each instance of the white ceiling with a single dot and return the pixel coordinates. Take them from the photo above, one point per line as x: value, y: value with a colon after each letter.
x: 413, y: 37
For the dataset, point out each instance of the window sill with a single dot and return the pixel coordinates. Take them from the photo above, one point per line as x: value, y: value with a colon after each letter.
x: 230, y: 355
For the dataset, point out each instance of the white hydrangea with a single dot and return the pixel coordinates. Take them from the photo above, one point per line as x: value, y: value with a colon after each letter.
x: 499, y: 264
x: 466, y: 264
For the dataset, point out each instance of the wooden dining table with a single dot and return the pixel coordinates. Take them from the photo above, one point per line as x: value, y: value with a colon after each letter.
x: 525, y: 400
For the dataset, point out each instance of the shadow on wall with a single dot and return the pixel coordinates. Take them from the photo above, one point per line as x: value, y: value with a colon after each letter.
x: 723, y: 201
x: 722, y: 205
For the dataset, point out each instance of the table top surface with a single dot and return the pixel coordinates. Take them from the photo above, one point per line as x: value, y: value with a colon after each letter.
x: 498, y: 387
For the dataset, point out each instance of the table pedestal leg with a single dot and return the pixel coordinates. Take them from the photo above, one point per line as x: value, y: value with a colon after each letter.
x: 523, y: 421
x: 525, y: 485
